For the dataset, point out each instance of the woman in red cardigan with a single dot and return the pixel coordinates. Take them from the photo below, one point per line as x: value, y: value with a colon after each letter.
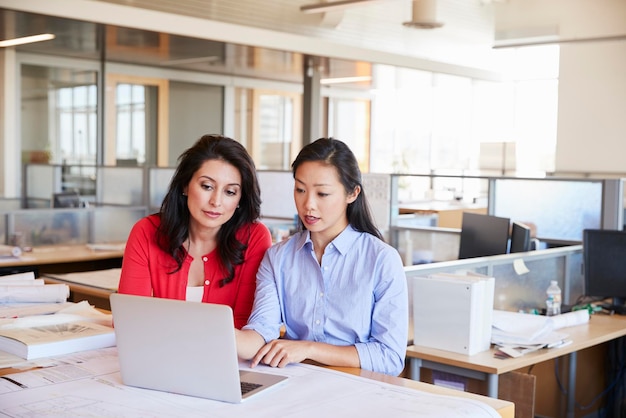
x: 206, y: 243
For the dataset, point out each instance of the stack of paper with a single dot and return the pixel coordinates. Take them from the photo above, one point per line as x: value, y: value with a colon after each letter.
x: 517, y: 333
x: 76, y: 327
x: 25, y: 288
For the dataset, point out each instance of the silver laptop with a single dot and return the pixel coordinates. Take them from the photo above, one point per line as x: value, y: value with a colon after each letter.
x: 182, y: 347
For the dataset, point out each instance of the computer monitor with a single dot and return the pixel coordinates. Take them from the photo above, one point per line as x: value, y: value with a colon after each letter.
x: 66, y: 200
x: 483, y: 235
x: 604, y: 264
x: 520, y: 238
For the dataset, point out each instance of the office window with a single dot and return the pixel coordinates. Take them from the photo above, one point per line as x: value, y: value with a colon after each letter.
x: 131, y: 122
x: 425, y: 122
x: 77, y: 124
x: 402, y: 120
x: 274, y: 128
x: 58, y: 114
x: 349, y: 121
x: 451, y: 144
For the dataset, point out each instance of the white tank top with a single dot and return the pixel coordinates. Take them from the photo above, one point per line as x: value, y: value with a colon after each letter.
x: 194, y: 293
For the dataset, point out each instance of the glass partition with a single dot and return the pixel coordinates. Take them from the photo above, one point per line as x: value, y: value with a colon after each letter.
x: 120, y: 186
x: 44, y: 227
x: 114, y: 224
x: 40, y: 227
x: 277, y: 194
x: 159, y: 181
x: 520, y: 279
x: 557, y: 209
x: 42, y: 181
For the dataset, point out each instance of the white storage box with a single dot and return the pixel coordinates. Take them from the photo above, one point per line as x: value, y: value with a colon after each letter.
x: 453, y: 312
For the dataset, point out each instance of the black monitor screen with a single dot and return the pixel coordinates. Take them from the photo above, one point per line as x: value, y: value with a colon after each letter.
x: 520, y: 238
x: 66, y: 200
x: 483, y: 235
x: 604, y: 261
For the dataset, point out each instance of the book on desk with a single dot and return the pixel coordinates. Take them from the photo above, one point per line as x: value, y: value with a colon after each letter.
x: 54, y: 339
x: 35, y: 323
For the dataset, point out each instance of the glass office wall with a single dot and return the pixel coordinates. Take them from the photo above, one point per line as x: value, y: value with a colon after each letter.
x: 412, y: 121
x: 58, y: 114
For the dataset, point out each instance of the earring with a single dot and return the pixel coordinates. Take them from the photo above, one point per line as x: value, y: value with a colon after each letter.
x: 184, y: 194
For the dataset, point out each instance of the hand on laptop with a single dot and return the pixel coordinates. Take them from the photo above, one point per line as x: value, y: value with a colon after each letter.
x: 279, y: 353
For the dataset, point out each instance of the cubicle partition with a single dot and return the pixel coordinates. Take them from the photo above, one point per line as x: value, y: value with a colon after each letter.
x: 158, y: 183
x: 47, y: 226
x: 521, y: 279
x: 557, y: 209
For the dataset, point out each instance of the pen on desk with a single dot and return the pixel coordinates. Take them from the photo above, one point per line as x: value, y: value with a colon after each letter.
x: 559, y: 344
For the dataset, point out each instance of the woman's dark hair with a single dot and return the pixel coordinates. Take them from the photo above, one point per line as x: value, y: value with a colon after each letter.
x: 174, y: 227
x: 335, y: 153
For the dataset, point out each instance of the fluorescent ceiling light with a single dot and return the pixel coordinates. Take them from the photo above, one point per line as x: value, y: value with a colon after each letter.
x: 334, y: 5
x: 346, y: 79
x: 26, y: 40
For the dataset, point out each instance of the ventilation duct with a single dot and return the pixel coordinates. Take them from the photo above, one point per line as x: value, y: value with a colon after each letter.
x: 424, y: 15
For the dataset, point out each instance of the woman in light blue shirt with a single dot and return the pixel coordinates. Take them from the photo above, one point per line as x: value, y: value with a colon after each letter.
x: 336, y: 287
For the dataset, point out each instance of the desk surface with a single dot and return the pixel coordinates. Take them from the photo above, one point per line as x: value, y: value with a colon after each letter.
x: 60, y: 254
x: 506, y: 409
x: 599, y: 329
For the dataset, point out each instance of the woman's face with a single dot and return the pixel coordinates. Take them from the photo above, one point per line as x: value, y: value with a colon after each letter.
x: 213, y: 194
x: 321, y: 199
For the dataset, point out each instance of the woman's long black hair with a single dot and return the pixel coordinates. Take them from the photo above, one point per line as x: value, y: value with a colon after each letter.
x: 336, y: 153
x: 174, y: 227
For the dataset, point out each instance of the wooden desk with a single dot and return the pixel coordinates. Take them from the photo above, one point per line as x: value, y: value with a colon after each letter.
x: 600, y: 329
x: 449, y: 214
x: 94, y: 286
x: 66, y: 259
x: 506, y: 409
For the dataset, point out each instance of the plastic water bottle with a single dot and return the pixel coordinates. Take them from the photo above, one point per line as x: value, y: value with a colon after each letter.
x: 553, y: 303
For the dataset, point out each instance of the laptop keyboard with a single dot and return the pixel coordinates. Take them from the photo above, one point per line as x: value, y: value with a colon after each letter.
x: 247, y: 387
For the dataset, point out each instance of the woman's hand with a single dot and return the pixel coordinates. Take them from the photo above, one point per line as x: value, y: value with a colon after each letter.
x: 279, y: 353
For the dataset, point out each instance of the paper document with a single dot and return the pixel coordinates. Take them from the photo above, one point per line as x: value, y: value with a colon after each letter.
x: 86, y: 387
x: 517, y: 333
x: 17, y: 277
x: 48, y: 293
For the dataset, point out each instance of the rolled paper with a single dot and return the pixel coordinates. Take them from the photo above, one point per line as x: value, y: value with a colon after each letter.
x: 569, y: 319
x: 49, y: 293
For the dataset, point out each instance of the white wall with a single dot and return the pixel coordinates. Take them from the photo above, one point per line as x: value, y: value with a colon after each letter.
x: 591, y: 132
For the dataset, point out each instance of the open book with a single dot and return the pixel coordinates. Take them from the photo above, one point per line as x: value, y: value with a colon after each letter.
x: 55, y: 339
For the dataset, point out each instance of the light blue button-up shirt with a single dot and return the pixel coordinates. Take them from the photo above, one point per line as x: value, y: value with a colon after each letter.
x: 358, y: 296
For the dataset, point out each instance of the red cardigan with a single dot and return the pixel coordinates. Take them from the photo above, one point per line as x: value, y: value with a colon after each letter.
x: 145, y: 269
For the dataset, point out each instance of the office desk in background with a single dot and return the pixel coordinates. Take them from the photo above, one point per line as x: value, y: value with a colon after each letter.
x: 94, y: 286
x: 68, y: 258
x: 449, y: 214
x: 485, y: 366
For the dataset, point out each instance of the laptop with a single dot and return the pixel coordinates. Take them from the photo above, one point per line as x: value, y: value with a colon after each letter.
x: 182, y: 347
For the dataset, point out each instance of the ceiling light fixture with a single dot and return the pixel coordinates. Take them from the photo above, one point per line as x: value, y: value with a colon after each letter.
x: 424, y: 15
x: 26, y: 40
x: 338, y: 80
